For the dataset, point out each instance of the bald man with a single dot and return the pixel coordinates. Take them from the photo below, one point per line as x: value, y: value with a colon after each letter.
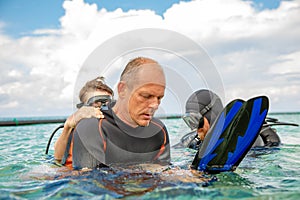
x: 128, y: 134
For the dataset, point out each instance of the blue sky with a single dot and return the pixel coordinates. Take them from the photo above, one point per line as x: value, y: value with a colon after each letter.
x: 21, y: 17
x: 254, y: 45
x: 24, y: 16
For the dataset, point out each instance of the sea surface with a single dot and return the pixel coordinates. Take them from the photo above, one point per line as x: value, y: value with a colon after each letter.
x: 27, y: 173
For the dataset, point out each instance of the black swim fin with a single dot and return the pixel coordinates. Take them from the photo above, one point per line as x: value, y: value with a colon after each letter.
x: 232, y: 135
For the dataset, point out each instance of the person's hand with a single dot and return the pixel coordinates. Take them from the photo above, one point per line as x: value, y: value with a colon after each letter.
x: 83, y: 113
x: 202, y: 131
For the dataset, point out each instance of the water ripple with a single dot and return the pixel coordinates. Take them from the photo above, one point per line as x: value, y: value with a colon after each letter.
x: 26, y: 173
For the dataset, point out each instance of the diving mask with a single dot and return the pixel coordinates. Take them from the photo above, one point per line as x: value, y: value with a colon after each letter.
x: 193, y: 120
x: 97, y: 101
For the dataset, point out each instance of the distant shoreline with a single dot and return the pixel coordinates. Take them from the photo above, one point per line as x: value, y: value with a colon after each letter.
x: 283, y: 113
x: 18, y: 121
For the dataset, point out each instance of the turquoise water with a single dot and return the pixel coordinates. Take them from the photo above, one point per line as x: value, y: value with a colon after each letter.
x: 27, y: 173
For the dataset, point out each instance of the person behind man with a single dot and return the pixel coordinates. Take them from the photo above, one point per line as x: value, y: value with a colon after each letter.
x: 128, y: 134
x: 94, y: 95
x: 202, y: 109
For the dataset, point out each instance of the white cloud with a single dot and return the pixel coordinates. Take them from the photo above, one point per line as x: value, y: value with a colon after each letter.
x: 286, y: 64
x: 256, y: 52
x: 14, y: 73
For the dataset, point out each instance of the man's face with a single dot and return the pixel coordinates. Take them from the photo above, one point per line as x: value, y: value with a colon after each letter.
x: 144, y: 101
x: 140, y: 97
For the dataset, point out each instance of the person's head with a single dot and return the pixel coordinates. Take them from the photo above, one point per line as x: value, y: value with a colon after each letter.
x: 95, y: 93
x: 141, y: 88
x: 202, y: 103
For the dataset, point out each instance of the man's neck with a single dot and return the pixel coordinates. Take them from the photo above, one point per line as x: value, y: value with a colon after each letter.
x: 123, y: 115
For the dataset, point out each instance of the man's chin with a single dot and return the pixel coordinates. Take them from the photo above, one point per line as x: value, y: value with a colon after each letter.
x: 143, y: 122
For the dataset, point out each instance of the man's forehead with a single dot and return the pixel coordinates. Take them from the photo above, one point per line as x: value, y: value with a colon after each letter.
x: 150, y: 85
x: 151, y: 74
x: 151, y: 89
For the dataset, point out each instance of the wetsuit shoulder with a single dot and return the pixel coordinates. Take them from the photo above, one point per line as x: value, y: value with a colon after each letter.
x: 88, y: 147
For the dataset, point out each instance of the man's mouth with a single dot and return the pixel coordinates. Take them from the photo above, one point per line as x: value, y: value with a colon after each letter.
x: 147, y: 116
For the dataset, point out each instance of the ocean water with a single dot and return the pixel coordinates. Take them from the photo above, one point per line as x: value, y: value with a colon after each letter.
x: 27, y: 173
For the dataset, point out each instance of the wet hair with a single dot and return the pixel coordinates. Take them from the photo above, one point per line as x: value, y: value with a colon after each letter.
x: 133, y: 66
x: 94, y: 85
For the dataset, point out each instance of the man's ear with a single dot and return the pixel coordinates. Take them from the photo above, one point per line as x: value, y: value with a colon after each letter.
x: 122, y: 89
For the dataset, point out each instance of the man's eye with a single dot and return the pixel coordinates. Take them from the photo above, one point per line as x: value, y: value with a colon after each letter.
x: 146, y: 96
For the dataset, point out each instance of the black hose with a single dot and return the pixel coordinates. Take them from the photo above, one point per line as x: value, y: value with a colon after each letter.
x: 280, y: 123
x: 52, y: 135
x: 270, y: 119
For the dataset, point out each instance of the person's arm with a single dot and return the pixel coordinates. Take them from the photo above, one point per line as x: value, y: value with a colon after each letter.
x: 203, y: 131
x: 71, y: 122
x: 61, y: 143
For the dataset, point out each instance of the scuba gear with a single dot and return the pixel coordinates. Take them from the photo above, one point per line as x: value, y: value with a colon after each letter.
x: 268, y: 136
x: 193, y: 120
x: 232, y: 135
x: 205, y: 102
x: 52, y: 135
x: 202, y: 103
x: 208, y: 105
x: 190, y: 140
x: 196, y: 110
x: 103, y: 99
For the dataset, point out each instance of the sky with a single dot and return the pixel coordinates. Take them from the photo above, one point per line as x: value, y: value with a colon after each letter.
x: 254, y: 47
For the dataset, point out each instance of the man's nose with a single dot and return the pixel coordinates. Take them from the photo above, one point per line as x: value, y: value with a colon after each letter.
x: 154, y: 103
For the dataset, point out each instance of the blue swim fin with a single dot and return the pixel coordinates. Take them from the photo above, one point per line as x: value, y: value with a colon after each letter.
x: 232, y: 135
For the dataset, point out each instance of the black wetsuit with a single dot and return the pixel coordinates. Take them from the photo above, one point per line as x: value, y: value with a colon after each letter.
x: 110, y: 141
